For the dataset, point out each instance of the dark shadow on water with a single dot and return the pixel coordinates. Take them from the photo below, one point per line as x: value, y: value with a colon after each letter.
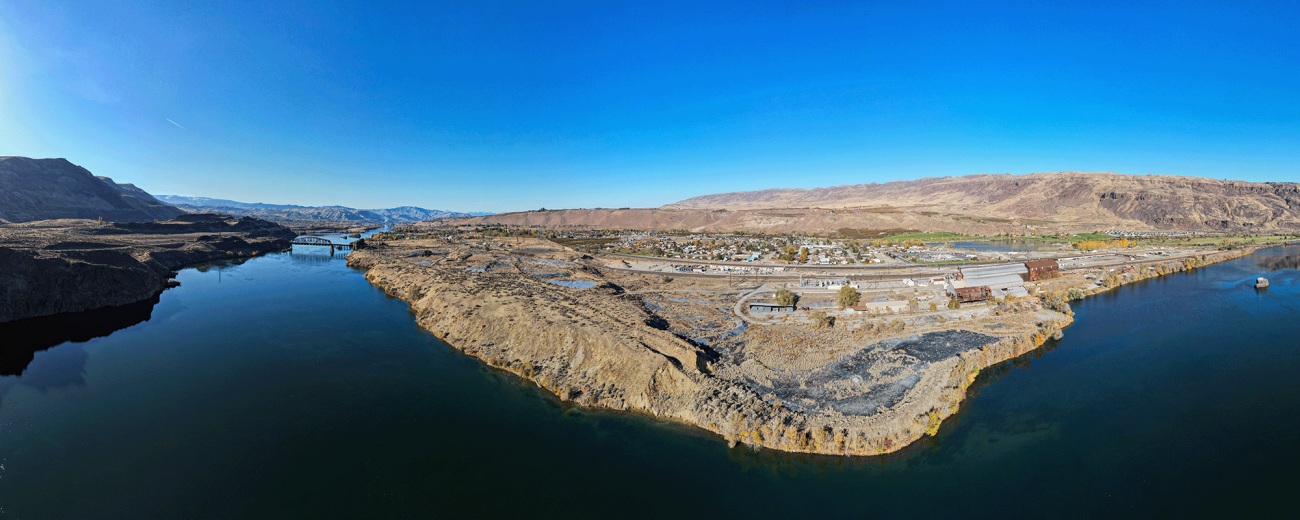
x: 1000, y: 370
x: 23, y: 338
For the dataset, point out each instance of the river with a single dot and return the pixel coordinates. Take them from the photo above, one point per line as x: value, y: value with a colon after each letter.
x: 286, y: 386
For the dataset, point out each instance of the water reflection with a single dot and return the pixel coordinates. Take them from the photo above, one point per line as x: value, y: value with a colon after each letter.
x: 315, y: 254
x: 1003, y: 245
x: 64, y: 366
x: 24, y: 338
x: 1278, y: 263
x: 219, y: 264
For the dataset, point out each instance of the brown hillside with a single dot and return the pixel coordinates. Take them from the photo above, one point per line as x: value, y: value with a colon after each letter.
x: 1159, y: 201
x: 47, y: 189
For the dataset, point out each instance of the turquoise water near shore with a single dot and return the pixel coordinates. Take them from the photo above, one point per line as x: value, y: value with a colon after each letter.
x: 287, y: 387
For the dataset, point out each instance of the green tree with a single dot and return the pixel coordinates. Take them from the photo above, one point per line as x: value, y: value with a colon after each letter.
x: 785, y: 297
x: 954, y: 304
x: 849, y: 296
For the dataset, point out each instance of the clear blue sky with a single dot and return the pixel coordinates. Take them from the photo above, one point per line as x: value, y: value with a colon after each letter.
x: 486, y: 106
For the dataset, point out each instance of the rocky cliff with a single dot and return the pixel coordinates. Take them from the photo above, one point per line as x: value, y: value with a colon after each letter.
x: 45, y: 189
x: 56, y: 266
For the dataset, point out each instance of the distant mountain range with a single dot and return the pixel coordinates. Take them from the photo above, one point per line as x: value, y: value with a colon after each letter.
x: 282, y: 212
x: 46, y: 189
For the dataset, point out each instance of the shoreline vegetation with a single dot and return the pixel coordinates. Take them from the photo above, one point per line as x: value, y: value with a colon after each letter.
x: 600, y: 348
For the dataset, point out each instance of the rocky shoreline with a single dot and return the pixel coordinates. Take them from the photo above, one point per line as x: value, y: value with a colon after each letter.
x: 72, y: 265
x: 602, y: 347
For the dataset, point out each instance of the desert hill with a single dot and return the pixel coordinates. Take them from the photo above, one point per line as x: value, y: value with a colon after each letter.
x: 806, y: 220
x: 975, y: 204
x: 46, y: 189
x: 290, y: 212
x: 1159, y: 201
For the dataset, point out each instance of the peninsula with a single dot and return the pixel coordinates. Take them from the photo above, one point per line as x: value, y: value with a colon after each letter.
x: 859, y: 355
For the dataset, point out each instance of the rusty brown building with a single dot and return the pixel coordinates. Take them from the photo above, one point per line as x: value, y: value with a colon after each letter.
x: 1039, y: 269
x: 972, y: 294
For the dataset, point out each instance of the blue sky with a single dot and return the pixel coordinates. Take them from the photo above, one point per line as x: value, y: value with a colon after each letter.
x: 499, y: 106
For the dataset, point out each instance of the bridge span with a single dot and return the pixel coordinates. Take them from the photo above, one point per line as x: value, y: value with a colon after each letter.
x: 350, y: 244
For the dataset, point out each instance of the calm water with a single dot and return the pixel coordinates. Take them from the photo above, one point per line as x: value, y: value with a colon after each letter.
x: 1006, y: 245
x: 287, y: 387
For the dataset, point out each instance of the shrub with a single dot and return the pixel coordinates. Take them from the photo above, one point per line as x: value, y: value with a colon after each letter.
x: 954, y: 304
x: 934, y: 306
x: 1111, y: 280
x: 785, y: 297
x: 932, y: 423
x: 1055, y: 301
x: 822, y: 321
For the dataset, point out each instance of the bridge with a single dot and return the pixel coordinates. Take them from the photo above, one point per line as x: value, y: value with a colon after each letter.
x: 322, y: 241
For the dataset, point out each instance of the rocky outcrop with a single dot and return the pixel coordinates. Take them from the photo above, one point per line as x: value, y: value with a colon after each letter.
x: 51, y: 267
x: 46, y: 189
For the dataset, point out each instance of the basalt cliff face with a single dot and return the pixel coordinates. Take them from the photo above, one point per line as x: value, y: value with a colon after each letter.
x: 1159, y: 201
x: 46, y: 189
x: 57, y: 266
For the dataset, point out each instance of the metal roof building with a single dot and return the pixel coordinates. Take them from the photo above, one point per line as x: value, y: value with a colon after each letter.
x: 974, y: 272
x: 1000, y: 281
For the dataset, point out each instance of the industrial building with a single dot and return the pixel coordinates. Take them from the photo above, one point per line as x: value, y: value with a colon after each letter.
x: 1040, y: 269
x: 982, y: 283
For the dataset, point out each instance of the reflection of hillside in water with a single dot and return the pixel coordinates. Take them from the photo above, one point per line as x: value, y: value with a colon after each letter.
x: 24, y: 338
x: 64, y: 366
x: 1277, y: 263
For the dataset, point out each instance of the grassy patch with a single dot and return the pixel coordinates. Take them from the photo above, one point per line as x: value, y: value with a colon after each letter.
x: 874, y: 234
x: 1081, y: 237
x: 582, y: 243
x: 929, y: 237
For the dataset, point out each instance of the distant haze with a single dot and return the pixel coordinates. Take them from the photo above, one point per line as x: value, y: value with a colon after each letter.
x: 295, y: 212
